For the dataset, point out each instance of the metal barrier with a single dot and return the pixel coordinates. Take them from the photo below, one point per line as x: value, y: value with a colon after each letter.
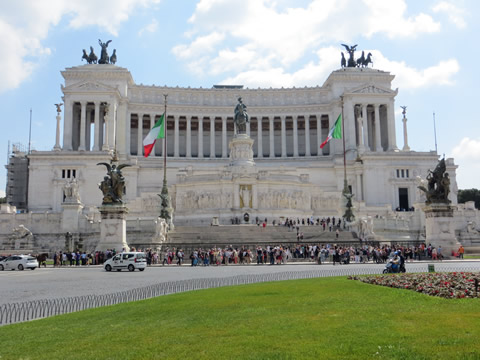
x: 37, y: 309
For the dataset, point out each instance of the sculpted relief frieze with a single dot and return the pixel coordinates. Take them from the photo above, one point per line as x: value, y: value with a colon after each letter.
x: 193, y: 200
x: 325, y: 202
x: 299, y: 200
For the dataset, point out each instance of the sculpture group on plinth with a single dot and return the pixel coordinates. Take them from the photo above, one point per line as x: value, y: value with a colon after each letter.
x: 439, y: 221
x: 113, y: 228
x: 113, y: 185
x: 241, y: 152
x: 438, y: 185
x: 362, y: 61
x: 104, y: 58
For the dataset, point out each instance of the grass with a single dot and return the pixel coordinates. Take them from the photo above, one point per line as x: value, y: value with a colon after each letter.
x: 331, y: 318
x: 471, y: 256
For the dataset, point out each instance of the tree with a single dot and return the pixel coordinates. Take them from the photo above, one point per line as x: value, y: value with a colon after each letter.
x: 469, y: 195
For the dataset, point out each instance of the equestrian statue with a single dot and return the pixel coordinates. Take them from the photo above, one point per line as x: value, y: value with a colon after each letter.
x: 241, y: 117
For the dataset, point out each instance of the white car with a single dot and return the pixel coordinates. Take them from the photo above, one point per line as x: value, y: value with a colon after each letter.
x: 19, y: 262
x: 128, y: 261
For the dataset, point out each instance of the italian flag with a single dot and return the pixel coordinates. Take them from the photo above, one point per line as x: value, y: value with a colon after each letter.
x: 335, y: 132
x: 157, y: 132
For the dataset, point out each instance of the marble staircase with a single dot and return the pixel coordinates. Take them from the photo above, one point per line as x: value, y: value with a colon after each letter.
x: 190, y: 237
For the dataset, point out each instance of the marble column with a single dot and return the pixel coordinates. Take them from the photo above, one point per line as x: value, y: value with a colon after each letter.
x: 405, y: 136
x: 128, y: 134
x: 106, y: 120
x: 360, y: 120
x: 212, y: 137
x: 271, y: 137
x: 259, y: 138
x: 140, y: 135
x: 68, y: 125
x: 392, y: 142
x: 295, y: 136
x: 365, y: 127
x: 188, y: 139
x: 319, y: 134
x: 57, y: 134
x: 349, y: 125
x: 88, y: 130
x: 307, y: 135
x: 200, y: 136
x: 83, y: 121
x: 248, y: 128
x: 284, y: 136
x: 378, y: 141
x: 96, y: 140
x: 176, y: 145
x: 112, y: 126
x: 224, y: 136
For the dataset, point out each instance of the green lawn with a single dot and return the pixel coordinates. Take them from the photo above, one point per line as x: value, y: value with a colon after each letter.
x: 330, y: 318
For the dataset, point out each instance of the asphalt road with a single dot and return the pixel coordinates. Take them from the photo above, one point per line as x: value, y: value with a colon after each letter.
x: 46, y: 283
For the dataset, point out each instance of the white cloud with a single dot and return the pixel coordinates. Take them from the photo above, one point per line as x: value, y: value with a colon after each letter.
x: 263, y: 35
x: 308, y: 75
x: 455, y: 14
x: 150, y: 28
x: 388, y: 17
x: 201, y: 45
x: 467, y: 149
x: 407, y: 77
x: 467, y: 156
x: 2, y: 193
x: 259, y: 73
x: 24, y: 24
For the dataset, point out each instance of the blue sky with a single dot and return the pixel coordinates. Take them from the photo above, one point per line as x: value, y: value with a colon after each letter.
x: 430, y: 46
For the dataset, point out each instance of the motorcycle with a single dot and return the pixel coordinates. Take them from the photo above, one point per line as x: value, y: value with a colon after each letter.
x: 393, y: 267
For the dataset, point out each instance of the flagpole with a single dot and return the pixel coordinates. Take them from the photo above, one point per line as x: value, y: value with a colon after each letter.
x: 345, y: 186
x: 166, y: 208
x: 165, y: 141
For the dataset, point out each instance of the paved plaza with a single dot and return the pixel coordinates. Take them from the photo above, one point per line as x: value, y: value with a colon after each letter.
x: 48, y: 283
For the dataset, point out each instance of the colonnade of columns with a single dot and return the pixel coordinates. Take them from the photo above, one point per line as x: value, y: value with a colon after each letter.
x: 375, y: 127
x: 78, y: 118
x: 188, y: 140
x: 368, y: 127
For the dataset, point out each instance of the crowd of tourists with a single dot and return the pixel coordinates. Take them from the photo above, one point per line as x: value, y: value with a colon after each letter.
x: 82, y: 258
x: 261, y: 255
x: 276, y: 255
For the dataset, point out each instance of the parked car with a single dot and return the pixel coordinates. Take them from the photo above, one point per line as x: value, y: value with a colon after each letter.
x: 19, y: 262
x: 128, y: 261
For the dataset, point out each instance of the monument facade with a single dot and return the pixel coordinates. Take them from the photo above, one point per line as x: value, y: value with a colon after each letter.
x: 224, y: 161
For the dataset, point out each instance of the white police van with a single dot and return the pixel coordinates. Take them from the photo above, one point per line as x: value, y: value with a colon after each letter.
x: 128, y: 261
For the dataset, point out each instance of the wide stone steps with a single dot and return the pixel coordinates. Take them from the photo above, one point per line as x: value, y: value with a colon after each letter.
x: 238, y: 235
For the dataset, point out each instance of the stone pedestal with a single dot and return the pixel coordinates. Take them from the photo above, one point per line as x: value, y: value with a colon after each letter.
x: 440, y: 228
x: 70, y: 216
x: 241, y: 152
x: 113, y: 228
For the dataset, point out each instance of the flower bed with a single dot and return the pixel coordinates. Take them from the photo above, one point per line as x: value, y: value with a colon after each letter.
x: 452, y: 285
